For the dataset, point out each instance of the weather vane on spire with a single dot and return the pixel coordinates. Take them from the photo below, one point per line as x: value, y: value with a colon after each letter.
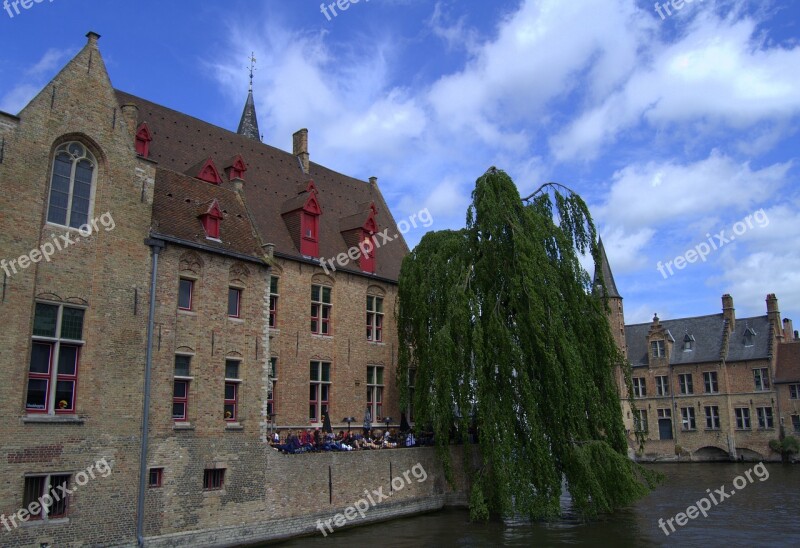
x: 252, y: 68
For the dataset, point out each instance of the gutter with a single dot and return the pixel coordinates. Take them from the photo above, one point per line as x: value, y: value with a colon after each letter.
x: 156, y: 246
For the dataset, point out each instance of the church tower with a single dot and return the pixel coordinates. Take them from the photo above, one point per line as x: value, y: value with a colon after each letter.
x: 616, y: 314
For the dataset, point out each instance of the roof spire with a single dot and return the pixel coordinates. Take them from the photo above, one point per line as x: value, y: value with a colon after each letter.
x: 608, y: 277
x: 248, y: 125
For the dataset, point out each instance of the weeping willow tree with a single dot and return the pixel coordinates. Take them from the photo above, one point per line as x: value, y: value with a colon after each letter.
x: 500, y: 322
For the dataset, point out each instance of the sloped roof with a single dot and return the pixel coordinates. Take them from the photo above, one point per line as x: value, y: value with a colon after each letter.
x: 709, y: 336
x: 273, y: 175
x: 608, y: 277
x: 788, y: 368
x: 178, y: 201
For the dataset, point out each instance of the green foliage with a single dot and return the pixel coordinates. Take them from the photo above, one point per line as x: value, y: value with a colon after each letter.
x: 501, y: 324
x: 787, y: 447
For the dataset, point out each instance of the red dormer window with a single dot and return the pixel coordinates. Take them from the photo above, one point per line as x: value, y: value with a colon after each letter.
x: 211, y: 219
x: 209, y: 173
x: 367, y: 242
x: 143, y: 138
x: 236, y: 168
x: 309, y: 223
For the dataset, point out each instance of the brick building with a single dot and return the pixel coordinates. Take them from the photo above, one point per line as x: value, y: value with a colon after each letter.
x: 704, y: 387
x: 787, y: 381
x: 114, y: 199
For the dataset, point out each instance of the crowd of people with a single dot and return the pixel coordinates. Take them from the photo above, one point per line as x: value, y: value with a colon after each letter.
x: 304, y: 441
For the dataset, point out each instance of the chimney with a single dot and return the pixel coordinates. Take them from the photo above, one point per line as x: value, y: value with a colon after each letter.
x: 131, y: 114
x: 300, y: 148
x: 774, y: 316
x: 728, y: 312
x: 788, y: 329
x: 373, y: 181
x: 92, y: 37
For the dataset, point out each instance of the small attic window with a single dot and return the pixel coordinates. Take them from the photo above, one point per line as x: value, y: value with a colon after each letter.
x: 143, y: 138
x: 749, y: 337
x: 211, y: 220
x: 688, y: 343
x: 209, y: 173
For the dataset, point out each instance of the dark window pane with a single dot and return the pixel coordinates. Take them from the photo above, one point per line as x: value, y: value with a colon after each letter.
x: 312, y: 412
x: 180, y: 388
x: 185, y: 294
x: 34, y: 489
x: 37, y: 394
x: 273, y: 285
x: 68, y: 360
x: 370, y: 301
x: 44, y: 321
x: 326, y: 295
x: 379, y: 304
x: 312, y: 393
x: 314, y: 371
x: 59, y: 508
x: 233, y: 301
x: 179, y: 410
x: 72, y: 323
x: 65, y: 392
x: 326, y: 372
x: 230, y: 391
x: 315, y: 293
x: 182, y: 364
x: 230, y: 411
x: 324, y: 392
x: 40, y: 358
x: 274, y: 362
x: 231, y: 369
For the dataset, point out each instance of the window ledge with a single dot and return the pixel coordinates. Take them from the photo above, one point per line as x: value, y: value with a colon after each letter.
x: 689, y: 430
x: 186, y: 312
x: 323, y: 337
x: 44, y: 522
x: 376, y: 343
x: 183, y: 426
x: 233, y: 427
x: 53, y: 419
x: 235, y: 319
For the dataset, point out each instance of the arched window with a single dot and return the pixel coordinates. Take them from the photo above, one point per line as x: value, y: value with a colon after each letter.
x: 74, y: 170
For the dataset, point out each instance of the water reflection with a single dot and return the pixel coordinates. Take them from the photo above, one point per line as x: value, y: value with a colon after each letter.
x: 761, y: 514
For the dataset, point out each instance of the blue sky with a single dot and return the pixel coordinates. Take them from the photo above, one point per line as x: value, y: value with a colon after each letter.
x: 673, y: 129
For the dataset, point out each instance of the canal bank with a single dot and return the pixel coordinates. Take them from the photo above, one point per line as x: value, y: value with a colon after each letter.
x: 764, y: 513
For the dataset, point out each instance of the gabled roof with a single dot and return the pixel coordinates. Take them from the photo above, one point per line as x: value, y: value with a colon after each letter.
x: 178, y: 202
x: 181, y: 141
x: 709, y: 339
x: 788, y: 368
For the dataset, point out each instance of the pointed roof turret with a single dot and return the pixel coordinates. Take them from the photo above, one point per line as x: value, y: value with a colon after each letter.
x: 611, y: 287
x: 248, y: 125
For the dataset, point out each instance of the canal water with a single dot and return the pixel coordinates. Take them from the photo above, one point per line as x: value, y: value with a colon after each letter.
x: 762, y: 513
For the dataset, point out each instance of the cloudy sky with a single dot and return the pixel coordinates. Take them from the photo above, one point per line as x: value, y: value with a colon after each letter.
x: 679, y: 128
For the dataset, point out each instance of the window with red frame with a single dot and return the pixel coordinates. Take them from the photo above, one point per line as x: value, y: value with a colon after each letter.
x: 321, y: 309
x: 273, y: 302
x: 271, y: 387
x: 155, y: 478
x: 180, y: 392
x: 232, y: 381
x: 374, y: 318
x: 320, y: 390
x: 367, y: 260
x: 213, y: 478
x: 55, y: 353
x: 35, y: 489
x: 309, y: 244
x: 185, y: 294
x: 375, y: 391
x: 234, y: 302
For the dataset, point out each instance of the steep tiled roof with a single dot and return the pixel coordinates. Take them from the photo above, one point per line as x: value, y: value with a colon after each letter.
x: 709, y: 338
x: 273, y: 177
x: 180, y: 199
x: 788, y: 363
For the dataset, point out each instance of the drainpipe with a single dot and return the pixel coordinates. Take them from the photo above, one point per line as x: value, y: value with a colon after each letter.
x: 156, y: 246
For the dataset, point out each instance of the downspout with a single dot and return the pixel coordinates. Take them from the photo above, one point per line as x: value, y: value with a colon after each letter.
x: 156, y: 246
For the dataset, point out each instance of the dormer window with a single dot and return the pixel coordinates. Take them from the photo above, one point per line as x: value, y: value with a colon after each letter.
x: 237, y: 168
x: 657, y: 348
x: 367, y: 244
x: 211, y: 220
x: 143, y: 138
x: 209, y: 173
x: 688, y: 343
x: 749, y: 337
x: 309, y: 223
